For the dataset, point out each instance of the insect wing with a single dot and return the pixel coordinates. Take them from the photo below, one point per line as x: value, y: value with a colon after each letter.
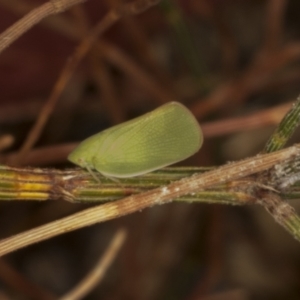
x: 162, y: 137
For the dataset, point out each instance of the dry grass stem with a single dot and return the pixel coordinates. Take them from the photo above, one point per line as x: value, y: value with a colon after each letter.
x: 270, y: 116
x: 150, y: 198
x: 71, y: 65
x: 96, y: 275
x: 33, y: 17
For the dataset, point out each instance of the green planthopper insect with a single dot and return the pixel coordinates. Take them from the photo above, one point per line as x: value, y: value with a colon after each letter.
x: 157, y: 139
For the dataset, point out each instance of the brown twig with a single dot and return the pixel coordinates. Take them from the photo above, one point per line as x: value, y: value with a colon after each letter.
x: 20, y: 284
x: 106, y: 87
x: 64, y: 77
x: 68, y: 70
x: 274, y: 24
x: 253, y: 79
x: 282, y: 212
x: 150, y: 198
x: 96, y: 275
x: 35, y: 16
x: 41, y: 156
x: 6, y: 141
x: 128, y: 66
x: 271, y: 116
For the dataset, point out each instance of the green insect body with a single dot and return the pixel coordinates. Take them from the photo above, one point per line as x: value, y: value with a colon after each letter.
x: 157, y: 139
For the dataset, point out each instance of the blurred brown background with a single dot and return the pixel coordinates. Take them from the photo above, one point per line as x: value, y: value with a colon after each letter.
x: 235, y: 64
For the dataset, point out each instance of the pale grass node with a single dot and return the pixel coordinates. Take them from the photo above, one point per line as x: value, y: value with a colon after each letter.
x: 164, y: 191
x: 289, y: 180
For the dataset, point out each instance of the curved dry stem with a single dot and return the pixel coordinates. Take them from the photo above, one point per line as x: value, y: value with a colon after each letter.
x: 97, y: 274
x: 35, y: 16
